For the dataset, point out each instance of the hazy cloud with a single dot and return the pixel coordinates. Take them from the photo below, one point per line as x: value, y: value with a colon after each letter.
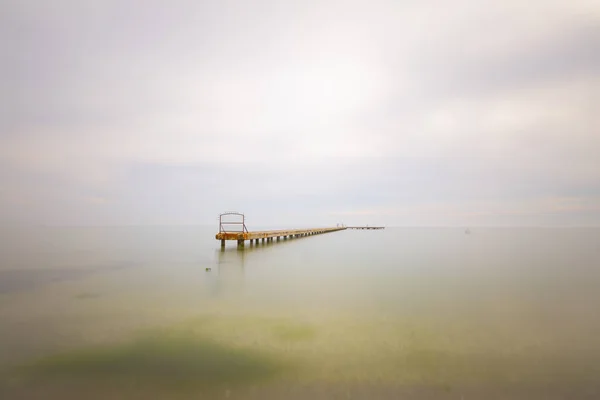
x: 409, y: 112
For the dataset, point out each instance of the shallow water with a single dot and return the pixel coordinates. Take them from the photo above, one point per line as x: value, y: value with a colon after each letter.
x: 132, y: 312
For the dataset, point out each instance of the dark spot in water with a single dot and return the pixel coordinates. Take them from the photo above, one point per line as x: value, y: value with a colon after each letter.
x: 166, y: 361
x: 16, y: 280
x: 19, y: 280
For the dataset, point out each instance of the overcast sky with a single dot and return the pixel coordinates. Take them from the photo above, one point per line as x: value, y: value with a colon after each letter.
x: 454, y: 112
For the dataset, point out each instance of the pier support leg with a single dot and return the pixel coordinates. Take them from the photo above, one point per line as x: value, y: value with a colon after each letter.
x: 240, y: 242
x: 263, y: 240
x: 278, y: 238
x: 222, y: 243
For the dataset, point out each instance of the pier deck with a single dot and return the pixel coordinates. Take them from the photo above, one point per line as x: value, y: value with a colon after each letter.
x: 241, y: 237
x: 240, y: 233
x: 232, y: 226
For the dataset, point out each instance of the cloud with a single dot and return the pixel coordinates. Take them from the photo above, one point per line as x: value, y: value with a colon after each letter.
x: 167, y: 113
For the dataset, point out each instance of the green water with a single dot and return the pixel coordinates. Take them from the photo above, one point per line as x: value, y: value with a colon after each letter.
x: 425, y: 313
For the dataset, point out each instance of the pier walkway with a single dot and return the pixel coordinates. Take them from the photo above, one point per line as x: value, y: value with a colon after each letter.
x: 241, y: 234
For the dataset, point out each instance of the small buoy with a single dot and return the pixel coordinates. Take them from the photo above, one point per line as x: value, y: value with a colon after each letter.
x: 208, y: 269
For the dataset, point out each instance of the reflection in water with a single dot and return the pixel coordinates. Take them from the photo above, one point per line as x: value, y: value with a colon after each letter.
x: 228, y: 277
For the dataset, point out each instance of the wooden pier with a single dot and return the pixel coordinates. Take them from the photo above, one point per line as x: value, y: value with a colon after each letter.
x: 241, y: 234
x: 269, y: 236
x: 365, y: 227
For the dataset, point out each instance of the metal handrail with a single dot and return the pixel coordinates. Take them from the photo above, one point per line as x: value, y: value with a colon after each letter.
x: 222, y: 223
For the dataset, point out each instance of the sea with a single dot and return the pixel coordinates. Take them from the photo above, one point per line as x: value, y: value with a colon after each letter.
x: 163, y: 312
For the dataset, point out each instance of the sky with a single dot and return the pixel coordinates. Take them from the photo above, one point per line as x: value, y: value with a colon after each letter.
x: 401, y: 113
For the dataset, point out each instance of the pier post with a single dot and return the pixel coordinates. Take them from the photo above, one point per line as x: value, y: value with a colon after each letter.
x: 240, y: 242
x: 222, y: 242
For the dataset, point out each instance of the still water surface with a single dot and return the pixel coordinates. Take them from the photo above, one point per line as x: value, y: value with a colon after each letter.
x: 132, y: 312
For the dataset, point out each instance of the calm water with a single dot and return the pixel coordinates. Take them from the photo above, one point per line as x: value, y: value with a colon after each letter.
x: 132, y: 312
